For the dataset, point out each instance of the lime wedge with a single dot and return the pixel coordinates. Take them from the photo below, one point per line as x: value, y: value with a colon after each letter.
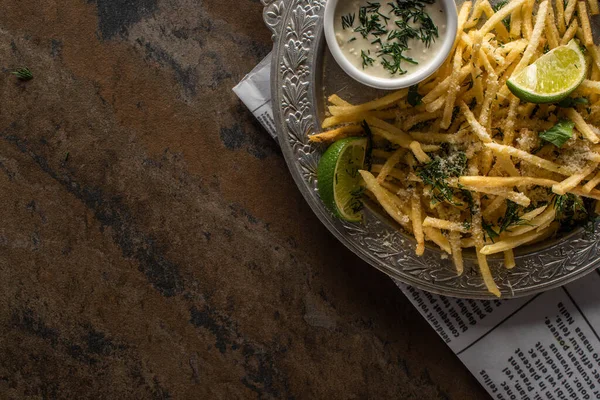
x: 339, y: 180
x: 552, y: 77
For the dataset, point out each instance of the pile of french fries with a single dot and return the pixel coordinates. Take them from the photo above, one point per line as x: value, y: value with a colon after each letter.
x: 464, y: 106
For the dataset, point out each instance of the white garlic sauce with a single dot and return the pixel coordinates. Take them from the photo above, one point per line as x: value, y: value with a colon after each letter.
x: 352, y: 43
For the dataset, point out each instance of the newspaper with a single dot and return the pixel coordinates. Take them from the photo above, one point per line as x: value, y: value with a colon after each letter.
x: 540, y: 347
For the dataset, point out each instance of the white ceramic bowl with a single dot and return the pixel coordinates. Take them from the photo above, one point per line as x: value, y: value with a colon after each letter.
x: 403, y: 81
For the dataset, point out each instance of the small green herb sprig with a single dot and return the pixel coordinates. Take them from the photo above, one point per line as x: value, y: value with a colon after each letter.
x: 23, y: 74
x: 437, y: 172
x: 411, y: 22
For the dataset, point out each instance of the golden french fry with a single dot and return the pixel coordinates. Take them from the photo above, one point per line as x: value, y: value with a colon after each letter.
x: 417, y: 222
x: 445, y: 225
x: 338, y: 101
x: 384, y: 198
x: 437, y: 237
x: 570, y: 10
x: 560, y: 16
x: 570, y: 33
x: 530, y: 158
x: 592, y: 183
x: 381, y: 103
x: 551, y: 29
x: 478, y: 130
x: 453, y: 88
x: 584, y: 20
x: 573, y: 180
x: 581, y: 125
x: 390, y: 164
x: 355, y: 117
x: 509, y: 259
x: 336, y: 134
x: 516, y: 241
x: 594, y: 8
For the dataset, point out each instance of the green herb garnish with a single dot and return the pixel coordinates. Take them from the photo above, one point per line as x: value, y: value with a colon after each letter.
x: 560, y: 133
x: 24, y: 74
x: 437, y: 172
x: 489, y: 231
x: 348, y: 21
x: 412, y: 22
x: 511, y: 217
x: 366, y: 59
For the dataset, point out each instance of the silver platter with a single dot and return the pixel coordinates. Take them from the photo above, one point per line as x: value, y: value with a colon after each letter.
x: 303, y: 72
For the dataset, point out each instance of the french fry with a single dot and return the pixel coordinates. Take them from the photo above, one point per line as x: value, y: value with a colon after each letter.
x: 356, y: 117
x: 417, y: 222
x: 584, y: 20
x: 569, y: 10
x: 420, y: 155
x: 530, y: 158
x: 478, y: 236
x: 545, y: 218
x: 390, y: 164
x: 536, y: 35
x: 527, y: 12
x: 513, y: 196
x: 423, y: 137
x: 570, y: 33
x: 594, y: 8
x: 395, y: 139
x: 495, y: 21
x: 478, y: 130
x: 592, y: 183
x: 515, y: 24
x: 445, y: 225
x: 581, y: 125
x: 336, y: 134
x: 505, y: 162
x: 453, y: 88
x: 500, y: 181
x: 509, y: 259
x: 560, y: 16
x: 516, y: 241
x: 551, y: 29
x: 455, y: 246
x: 384, y: 198
x: 485, y: 161
x: 573, y: 180
x: 379, y: 104
x: 443, y: 86
x: 493, y: 206
x: 436, y: 236
x: 418, y: 118
x: 588, y: 86
x: 436, y: 104
x: 509, y: 125
x: 338, y: 101
x: 475, y: 15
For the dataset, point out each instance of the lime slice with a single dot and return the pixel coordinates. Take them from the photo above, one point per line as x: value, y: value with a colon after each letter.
x: 552, y: 77
x: 339, y: 180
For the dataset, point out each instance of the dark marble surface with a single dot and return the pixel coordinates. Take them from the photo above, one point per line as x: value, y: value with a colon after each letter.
x: 170, y: 254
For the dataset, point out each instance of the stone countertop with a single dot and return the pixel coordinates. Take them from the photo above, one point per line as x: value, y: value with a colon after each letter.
x: 153, y: 244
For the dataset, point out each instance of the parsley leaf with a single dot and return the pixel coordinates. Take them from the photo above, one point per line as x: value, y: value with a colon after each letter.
x: 559, y: 133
